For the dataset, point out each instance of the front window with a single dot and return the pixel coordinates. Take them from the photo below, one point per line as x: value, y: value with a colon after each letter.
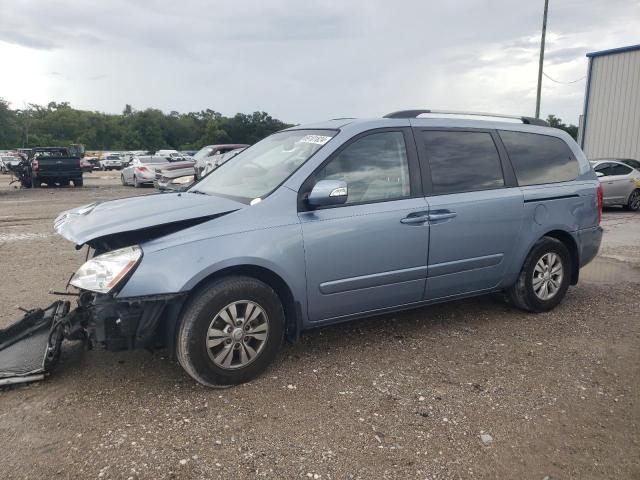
x: 257, y: 171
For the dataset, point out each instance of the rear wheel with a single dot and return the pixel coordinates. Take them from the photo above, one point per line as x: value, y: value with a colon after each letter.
x: 122, y: 180
x: 77, y: 182
x: 64, y: 183
x: 136, y: 184
x: 633, y: 203
x: 545, y: 277
x: 230, y: 331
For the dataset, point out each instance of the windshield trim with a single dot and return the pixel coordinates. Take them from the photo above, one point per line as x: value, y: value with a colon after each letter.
x: 248, y: 200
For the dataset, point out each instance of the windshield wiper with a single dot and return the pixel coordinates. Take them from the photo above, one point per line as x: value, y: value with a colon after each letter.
x: 199, y: 192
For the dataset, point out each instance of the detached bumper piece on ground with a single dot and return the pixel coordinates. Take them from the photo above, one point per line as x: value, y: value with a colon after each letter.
x: 31, y: 347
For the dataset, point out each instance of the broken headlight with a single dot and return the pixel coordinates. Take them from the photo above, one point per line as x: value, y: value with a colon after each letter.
x: 103, y: 273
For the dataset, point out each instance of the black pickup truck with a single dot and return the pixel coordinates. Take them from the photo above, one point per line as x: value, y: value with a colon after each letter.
x: 50, y: 165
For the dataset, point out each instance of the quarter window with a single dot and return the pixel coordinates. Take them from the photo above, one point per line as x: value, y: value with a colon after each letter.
x: 462, y: 161
x: 374, y: 167
x: 539, y: 159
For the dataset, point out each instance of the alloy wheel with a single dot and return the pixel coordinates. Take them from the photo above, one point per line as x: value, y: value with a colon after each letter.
x: 237, y: 334
x: 547, y: 276
x: 634, y: 200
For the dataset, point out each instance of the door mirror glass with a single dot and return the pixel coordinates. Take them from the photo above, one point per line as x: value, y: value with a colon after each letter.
x: 328, y: 192
x: 599, y: 174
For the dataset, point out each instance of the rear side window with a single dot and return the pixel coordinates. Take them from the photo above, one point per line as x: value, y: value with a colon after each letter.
x: 462, y: 161
x: 539, y: 159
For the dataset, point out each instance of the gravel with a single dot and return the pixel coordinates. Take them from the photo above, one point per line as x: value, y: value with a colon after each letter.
x: 473, y: 388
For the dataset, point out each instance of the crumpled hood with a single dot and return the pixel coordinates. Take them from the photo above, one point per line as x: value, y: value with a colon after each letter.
x: 102, y: 219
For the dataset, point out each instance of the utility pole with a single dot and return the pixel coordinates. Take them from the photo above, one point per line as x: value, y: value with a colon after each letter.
x: 544, y: 33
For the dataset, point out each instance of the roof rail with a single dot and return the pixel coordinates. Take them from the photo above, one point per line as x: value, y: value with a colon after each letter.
x: 415, y: 113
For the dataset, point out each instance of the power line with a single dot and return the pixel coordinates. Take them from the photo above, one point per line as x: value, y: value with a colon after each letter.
x: 564, y: 83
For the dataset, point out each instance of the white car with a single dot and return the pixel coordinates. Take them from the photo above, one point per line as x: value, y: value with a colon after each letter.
x: 7, y: 160
x: 140, y: 171
x: 112, y: 162
x: 620, y: 183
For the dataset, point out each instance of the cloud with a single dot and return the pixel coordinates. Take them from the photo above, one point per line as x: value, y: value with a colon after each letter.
x: 303, y: 61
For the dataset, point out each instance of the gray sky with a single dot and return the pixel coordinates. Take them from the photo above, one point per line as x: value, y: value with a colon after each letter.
x: 305, y: 61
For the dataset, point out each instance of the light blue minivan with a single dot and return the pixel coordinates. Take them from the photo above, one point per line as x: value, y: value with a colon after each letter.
x: 334, y: 221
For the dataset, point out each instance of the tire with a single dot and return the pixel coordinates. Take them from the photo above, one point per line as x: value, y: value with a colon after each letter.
x: 523, y: 295
x: 123, y: 180
x: 64, y: 183
x: 135, y: 182
x: 35, y: 183
x: 77, y: 182
x: 633, y: 203
x: 198, y: 357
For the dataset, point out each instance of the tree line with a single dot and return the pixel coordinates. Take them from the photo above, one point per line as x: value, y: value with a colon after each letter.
x: 59, y: 124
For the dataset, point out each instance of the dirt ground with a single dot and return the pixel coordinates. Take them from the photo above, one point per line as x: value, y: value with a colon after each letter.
x: 408, y: 395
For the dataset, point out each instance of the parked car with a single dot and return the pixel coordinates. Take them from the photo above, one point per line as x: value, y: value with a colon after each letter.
x: 334, y: 221
x: 50, y: 166
x: 167, y: 153
x: 86, y: 165
x: 214, y: 161
x: 141, y: 170
x: 165, y: 175
x: 7, y: 161
x: 210, y: 150
x: 620, y: 183
x: 112, y: 162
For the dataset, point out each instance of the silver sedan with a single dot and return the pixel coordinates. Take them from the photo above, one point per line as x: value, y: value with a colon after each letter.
x: 141, y: 170
x: 620, y: 183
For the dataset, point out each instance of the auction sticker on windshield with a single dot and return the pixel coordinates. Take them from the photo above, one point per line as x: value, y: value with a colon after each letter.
x: 317, y: 139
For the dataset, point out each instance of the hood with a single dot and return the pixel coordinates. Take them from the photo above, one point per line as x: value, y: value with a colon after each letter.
x: 140, y: 218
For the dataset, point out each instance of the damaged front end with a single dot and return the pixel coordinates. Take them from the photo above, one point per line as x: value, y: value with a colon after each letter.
x: 30, y: 348
x: 114, y: 231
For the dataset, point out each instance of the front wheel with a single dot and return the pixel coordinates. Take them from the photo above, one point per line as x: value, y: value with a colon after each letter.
x: 230, y: 331
x: 77, y: 182
x: 545, y: 277
x: 633, y: 203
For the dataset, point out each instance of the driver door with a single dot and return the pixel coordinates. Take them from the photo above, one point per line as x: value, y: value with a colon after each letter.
x: 371, y: 252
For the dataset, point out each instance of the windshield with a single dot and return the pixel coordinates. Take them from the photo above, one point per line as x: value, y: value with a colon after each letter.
x: 257, y: 171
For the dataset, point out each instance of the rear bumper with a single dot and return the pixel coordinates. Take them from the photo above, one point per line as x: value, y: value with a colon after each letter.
x: 42, y: 175
x: 589, y: 240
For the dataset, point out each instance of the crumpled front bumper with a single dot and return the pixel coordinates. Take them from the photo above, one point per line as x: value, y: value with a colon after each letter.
x: 30, y: 347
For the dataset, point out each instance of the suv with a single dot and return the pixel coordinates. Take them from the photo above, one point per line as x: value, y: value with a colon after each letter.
x: 333, y: 221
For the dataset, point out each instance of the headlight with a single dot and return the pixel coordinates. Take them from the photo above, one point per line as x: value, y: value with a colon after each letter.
x: 183, y: 180
x: 103, y: 273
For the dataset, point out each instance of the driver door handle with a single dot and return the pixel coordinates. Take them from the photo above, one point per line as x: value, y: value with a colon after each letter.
x: 414, y: 220
x: 441, y: 215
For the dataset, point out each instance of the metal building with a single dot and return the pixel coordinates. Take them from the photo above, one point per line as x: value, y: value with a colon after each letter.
x: 610, y: 123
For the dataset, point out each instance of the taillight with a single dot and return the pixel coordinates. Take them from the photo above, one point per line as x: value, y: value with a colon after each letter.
x: 600, y: 199
x: 142, y: 168
x: 34, y: 165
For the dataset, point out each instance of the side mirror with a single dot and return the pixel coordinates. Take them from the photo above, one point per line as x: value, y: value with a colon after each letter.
x: 328, y: 192
x: 599, y: 174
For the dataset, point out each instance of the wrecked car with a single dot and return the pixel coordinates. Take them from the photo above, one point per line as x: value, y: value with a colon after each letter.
x: 330, y: 222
